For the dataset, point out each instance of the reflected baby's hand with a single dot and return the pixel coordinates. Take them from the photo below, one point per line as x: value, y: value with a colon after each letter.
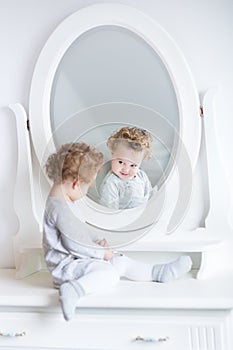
x: 102, y: 243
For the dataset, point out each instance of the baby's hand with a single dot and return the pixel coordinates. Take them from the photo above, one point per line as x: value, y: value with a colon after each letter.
x: 103, y: 243
x: 108, y: 254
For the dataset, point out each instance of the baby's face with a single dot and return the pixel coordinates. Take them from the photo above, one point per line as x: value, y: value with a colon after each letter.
x: 126, y: 162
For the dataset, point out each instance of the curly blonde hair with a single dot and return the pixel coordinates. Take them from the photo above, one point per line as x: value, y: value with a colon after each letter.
x: 74, y: 161
x: 134, y: 138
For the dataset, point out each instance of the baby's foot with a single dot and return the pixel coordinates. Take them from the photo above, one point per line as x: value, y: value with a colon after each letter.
x: 68, y: 299
x: 167, y: 272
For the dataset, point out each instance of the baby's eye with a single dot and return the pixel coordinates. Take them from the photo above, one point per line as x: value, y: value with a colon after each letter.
x: 133, y: 165
x: 120, y: 162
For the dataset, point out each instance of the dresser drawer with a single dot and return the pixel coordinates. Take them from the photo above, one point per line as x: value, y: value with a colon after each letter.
x: 114, y: 330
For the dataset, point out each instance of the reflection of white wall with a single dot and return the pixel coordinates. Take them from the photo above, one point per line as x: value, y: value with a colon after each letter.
x: 67, y: 101
x: 202, y: 29
x: 112, y: 64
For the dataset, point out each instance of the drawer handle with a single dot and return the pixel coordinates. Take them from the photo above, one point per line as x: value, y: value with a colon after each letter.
x: 12, y: 335
x: 150, y: 340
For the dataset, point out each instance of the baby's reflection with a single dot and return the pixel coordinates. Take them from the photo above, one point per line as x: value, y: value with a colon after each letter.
x: 126, y: 185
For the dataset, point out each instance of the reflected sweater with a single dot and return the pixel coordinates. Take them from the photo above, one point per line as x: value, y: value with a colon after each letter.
x: 118, y: 193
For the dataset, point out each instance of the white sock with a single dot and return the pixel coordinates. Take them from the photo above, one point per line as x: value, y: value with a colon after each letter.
x: 70, y: 293
x: 167, y: 272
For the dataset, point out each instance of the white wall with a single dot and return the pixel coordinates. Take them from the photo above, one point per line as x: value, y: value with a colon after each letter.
x: 203, y: 29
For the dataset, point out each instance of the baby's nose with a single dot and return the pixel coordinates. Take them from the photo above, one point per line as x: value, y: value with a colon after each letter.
x: 126, y: 167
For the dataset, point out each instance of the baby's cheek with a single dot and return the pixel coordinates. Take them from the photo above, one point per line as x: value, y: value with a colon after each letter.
x: 134, y: 171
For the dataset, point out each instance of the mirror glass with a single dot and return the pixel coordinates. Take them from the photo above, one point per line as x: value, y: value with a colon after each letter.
x: 108, y: 78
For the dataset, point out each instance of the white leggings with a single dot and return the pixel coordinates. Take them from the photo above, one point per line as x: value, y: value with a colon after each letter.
x: 100, y: 276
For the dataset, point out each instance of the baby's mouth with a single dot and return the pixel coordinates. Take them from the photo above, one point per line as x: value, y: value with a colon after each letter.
x: 124, y: 174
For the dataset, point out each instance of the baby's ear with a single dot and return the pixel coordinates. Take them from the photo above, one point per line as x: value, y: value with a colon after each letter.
x: 75, y: 183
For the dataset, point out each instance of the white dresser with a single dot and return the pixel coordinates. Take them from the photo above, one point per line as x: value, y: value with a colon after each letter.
x: 187, y: 314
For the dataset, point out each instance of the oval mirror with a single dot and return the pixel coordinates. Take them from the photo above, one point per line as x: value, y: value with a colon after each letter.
x: 104, y: 67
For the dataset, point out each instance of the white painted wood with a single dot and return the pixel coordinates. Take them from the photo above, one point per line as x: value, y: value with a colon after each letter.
x: 219, y: 193
x: 192, y: 314
x: 217, y: 222
x: 24, y: 202
x: 36, y: 291
x: 117, y: 331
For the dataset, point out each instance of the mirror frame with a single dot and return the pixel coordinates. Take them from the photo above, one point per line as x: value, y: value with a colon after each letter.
x: 161, y: 42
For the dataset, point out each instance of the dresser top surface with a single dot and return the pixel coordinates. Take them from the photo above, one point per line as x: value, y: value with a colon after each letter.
x: 36, y: 291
